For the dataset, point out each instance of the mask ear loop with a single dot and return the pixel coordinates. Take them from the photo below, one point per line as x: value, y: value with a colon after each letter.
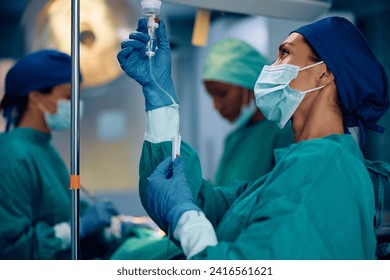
x: 312, y: 65
x: 42, y: 108
x: 314, y: 89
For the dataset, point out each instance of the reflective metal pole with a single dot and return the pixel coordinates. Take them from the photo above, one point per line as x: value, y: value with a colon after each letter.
x: 75, y: 130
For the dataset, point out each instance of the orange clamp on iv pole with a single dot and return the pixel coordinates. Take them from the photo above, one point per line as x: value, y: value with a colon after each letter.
x: 74, y: 182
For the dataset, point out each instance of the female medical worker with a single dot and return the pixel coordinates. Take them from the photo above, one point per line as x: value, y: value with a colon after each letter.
x: 229, y: 75
x: 318, y: 201
x: 34, y: 186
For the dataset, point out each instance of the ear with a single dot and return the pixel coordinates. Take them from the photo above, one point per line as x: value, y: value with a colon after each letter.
x: 325, y: 76
x: 34, y: 96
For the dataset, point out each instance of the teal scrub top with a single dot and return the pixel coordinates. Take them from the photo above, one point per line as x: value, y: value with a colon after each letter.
x: 249, y: 151
x: 248, y: 154
x: 316, y: 203
x: 34, y: 191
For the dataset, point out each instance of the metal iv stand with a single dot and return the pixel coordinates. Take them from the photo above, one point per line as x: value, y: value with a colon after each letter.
x: 75, y: 130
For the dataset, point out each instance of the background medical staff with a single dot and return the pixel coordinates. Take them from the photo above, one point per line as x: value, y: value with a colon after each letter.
x: 34, y: 186
x: 230, y: 73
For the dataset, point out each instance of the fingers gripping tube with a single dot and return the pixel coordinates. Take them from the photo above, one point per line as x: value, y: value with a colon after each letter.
x: 151, y: 8
x: 152, y: 44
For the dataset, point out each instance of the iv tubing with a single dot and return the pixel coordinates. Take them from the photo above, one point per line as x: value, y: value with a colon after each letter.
x: 159, y: 87
x: 152, y: 44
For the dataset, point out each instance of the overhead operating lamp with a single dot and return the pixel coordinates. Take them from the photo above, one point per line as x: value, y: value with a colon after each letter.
x: 103, y: 24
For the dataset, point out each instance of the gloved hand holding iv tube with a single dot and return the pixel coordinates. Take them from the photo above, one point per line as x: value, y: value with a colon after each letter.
x: 164, y: 203
x: 168, y: 192
x: 153, y: 74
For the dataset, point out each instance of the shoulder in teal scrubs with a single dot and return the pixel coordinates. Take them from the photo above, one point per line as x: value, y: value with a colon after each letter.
x: 34, y: 190
x: 317, y: 203
x: 249, y: 151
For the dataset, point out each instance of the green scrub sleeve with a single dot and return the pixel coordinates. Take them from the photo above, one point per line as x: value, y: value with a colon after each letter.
x: 21, y: 237
x: 37, y: 243
x: 32, y: 241
x: 214, y: 201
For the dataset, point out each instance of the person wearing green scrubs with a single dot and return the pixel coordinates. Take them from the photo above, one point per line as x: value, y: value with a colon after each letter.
x: 230, y: 73
x: 318, y: 201
x: 35, y: 208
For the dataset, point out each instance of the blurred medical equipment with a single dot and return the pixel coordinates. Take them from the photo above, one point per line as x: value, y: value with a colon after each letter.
x: 120, y: 223
x: 121, y: 228
x: 151, y: 8
x: 98, y: 216
x: 286, y: 9
x: 103, y: 24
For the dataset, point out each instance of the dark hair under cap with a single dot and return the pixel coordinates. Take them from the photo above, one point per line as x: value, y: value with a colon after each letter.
x: 360, y: 79
x: 36, y: 71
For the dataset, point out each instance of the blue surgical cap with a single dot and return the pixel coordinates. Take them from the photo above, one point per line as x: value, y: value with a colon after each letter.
x: 36, y: 71
x: 235, y: 62
x: 360, y: 79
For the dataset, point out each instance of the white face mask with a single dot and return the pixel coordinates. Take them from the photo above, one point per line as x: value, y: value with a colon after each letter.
x: 61, y: 120
x: 246, y: 113
x: 274, y: 97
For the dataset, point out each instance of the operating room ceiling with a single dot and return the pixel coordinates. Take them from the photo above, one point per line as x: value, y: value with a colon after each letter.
x: 12, y: 32
x: 11, y: 12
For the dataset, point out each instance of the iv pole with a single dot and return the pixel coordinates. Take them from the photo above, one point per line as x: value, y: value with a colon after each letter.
x: 75, y: 130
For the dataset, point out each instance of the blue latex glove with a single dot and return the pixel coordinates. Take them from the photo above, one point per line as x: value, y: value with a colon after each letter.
x: 96, y: 218
x: 154, y: 74
x: 168, y: 193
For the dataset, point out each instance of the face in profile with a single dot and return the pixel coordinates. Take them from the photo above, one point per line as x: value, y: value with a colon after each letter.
x: 296, y: 51
x: 49, y: 101
x: 227, y: 98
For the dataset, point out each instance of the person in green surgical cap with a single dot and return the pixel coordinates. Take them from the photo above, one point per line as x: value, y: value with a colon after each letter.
x: 35, y: 208
x: 230, y: 72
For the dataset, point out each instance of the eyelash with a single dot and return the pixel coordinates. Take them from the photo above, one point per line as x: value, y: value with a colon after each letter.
x: 284, y: 52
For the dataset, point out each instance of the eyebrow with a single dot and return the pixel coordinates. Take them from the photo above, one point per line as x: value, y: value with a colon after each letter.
x: 282, y: 45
